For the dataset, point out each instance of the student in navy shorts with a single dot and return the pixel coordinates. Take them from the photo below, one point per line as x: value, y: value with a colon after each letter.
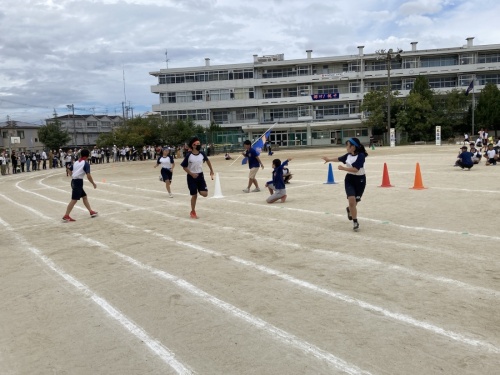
x: 80, y: 169
x: 193, y: 165
x: 355, y: 179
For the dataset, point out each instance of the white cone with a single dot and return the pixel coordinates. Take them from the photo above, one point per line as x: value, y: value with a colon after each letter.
x: 217, y: 189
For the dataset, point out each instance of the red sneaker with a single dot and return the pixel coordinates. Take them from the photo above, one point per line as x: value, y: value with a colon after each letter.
x: 93, y: 214
x: 192, y: 214
x: 67, y: 218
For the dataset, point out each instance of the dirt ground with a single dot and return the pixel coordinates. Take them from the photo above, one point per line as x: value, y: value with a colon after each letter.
x: 253, y: 288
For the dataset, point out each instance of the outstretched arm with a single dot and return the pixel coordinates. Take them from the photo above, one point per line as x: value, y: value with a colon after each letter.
x: 327, y: 159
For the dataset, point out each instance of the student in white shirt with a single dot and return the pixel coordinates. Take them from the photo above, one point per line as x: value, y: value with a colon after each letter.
x: 167, y: 168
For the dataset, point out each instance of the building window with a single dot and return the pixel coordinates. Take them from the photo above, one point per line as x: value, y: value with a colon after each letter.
x: 92, y: 124
x: 220, y: 117
x: 488, y: 58
x: 442, y: 82
x: 20, y: 134
x: 246, y: 114
x: 5, y: 134
x: 105, y: 124
x: 430, y: 62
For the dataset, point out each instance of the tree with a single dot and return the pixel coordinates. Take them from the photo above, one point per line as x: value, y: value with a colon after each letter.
x: 451, y: 113
x: 52, y: 135
x: 375, y: 108
x: 487, y: 112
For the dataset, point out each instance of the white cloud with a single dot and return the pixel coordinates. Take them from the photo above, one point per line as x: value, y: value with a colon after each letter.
x: 74, y: 51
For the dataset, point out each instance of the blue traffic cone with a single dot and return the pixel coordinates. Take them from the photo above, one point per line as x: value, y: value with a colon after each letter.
x: 330, y: 180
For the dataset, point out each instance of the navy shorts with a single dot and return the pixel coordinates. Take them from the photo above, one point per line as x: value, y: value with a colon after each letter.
x: 77, y: 189
x: 196, y: 184
x: 354, y: 186
x: 166, y: 174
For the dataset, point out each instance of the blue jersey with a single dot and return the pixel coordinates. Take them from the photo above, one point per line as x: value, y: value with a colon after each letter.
x: 252, y: 154
x: 278, y: 181
x: 466, y: 157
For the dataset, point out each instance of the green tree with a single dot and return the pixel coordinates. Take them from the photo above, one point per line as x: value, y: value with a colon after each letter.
x: 487, y: 112
x: 52, y: 135
x: 450, y: 112
x: 375, y: 108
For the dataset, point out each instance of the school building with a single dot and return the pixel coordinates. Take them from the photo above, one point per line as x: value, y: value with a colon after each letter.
x: 314, y: 100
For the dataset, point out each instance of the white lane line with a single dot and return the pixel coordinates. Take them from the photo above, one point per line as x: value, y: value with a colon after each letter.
x: 345, y: 298
x: 155, y: 346
x: 339, y: 296
x: 32, y: 210
x: 378, y: 221
x: 275, y: 332
x: 408, y: 271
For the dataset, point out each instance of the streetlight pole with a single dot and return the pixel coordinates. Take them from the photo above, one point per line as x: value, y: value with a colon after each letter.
x: 72, y: 107
x: 388, y: 56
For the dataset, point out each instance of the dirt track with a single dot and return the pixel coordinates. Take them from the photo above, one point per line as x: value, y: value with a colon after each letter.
x: 251, y: 288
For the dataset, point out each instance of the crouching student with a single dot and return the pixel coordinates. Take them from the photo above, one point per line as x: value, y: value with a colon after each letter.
x: 491, y: 155
x: 277, y: 185
x: 465, y: 159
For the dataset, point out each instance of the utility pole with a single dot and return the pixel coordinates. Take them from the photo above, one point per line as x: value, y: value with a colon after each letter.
x: 72, y: 107
x: 388, y: 56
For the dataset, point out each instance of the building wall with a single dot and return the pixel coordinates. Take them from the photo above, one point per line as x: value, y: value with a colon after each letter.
x: 253, y: 96
x: 85, y: 129
x: 27, y: 132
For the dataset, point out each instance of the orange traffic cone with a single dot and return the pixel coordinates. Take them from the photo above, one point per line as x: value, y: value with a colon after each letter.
x: 386, y: 182
x: 418, y: 185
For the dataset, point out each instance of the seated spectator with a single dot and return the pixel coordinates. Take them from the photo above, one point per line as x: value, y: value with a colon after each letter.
x: 227, y: 156
x: 287, y: 176
x: 465, y: 159
x: 476, y: 158
x: 491, y: 155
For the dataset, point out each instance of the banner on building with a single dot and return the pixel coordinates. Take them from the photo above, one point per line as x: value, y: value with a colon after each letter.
x: 333, y: 95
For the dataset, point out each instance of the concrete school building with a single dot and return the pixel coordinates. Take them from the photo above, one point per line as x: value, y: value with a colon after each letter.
x: 314, y: 100
x: 85, y: 129
x: 26, y: 133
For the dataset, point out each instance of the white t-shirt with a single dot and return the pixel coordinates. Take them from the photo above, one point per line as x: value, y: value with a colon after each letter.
x: 194, y: 162
x: 165, y: 161
x: 491, y: 154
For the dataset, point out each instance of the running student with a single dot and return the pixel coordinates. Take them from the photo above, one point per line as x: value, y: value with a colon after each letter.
x: 193, y: 165
x: 80, y: 169
x: 355, y: 179
x: 167, y: 168
x: 277, y: 185
x: 253, y: 163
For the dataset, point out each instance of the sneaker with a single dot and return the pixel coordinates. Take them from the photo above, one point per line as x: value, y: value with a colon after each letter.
x: 355, y: 226
x: 246, y: 190
x: 192, y: 214
x: 67, y: 218
x: 93, y: 214
x: 283, y: 198
x: 348, y: 213
x: 161, y: 178
x: 256, y: 190
x: 170, y: 195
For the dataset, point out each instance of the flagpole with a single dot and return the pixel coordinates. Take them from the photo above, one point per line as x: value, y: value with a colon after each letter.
x: 265, y: 133
x: 473, y: 103
x: 256, y: 141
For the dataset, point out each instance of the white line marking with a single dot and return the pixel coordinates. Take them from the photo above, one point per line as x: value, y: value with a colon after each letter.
x: 342, y: 297
x: 155, y: 346
x: 339, y: 296
x: 275, y: 332
x: 32, y: 210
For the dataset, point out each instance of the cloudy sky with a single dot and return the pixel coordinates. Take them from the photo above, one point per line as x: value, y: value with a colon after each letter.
x: 96, y: 54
